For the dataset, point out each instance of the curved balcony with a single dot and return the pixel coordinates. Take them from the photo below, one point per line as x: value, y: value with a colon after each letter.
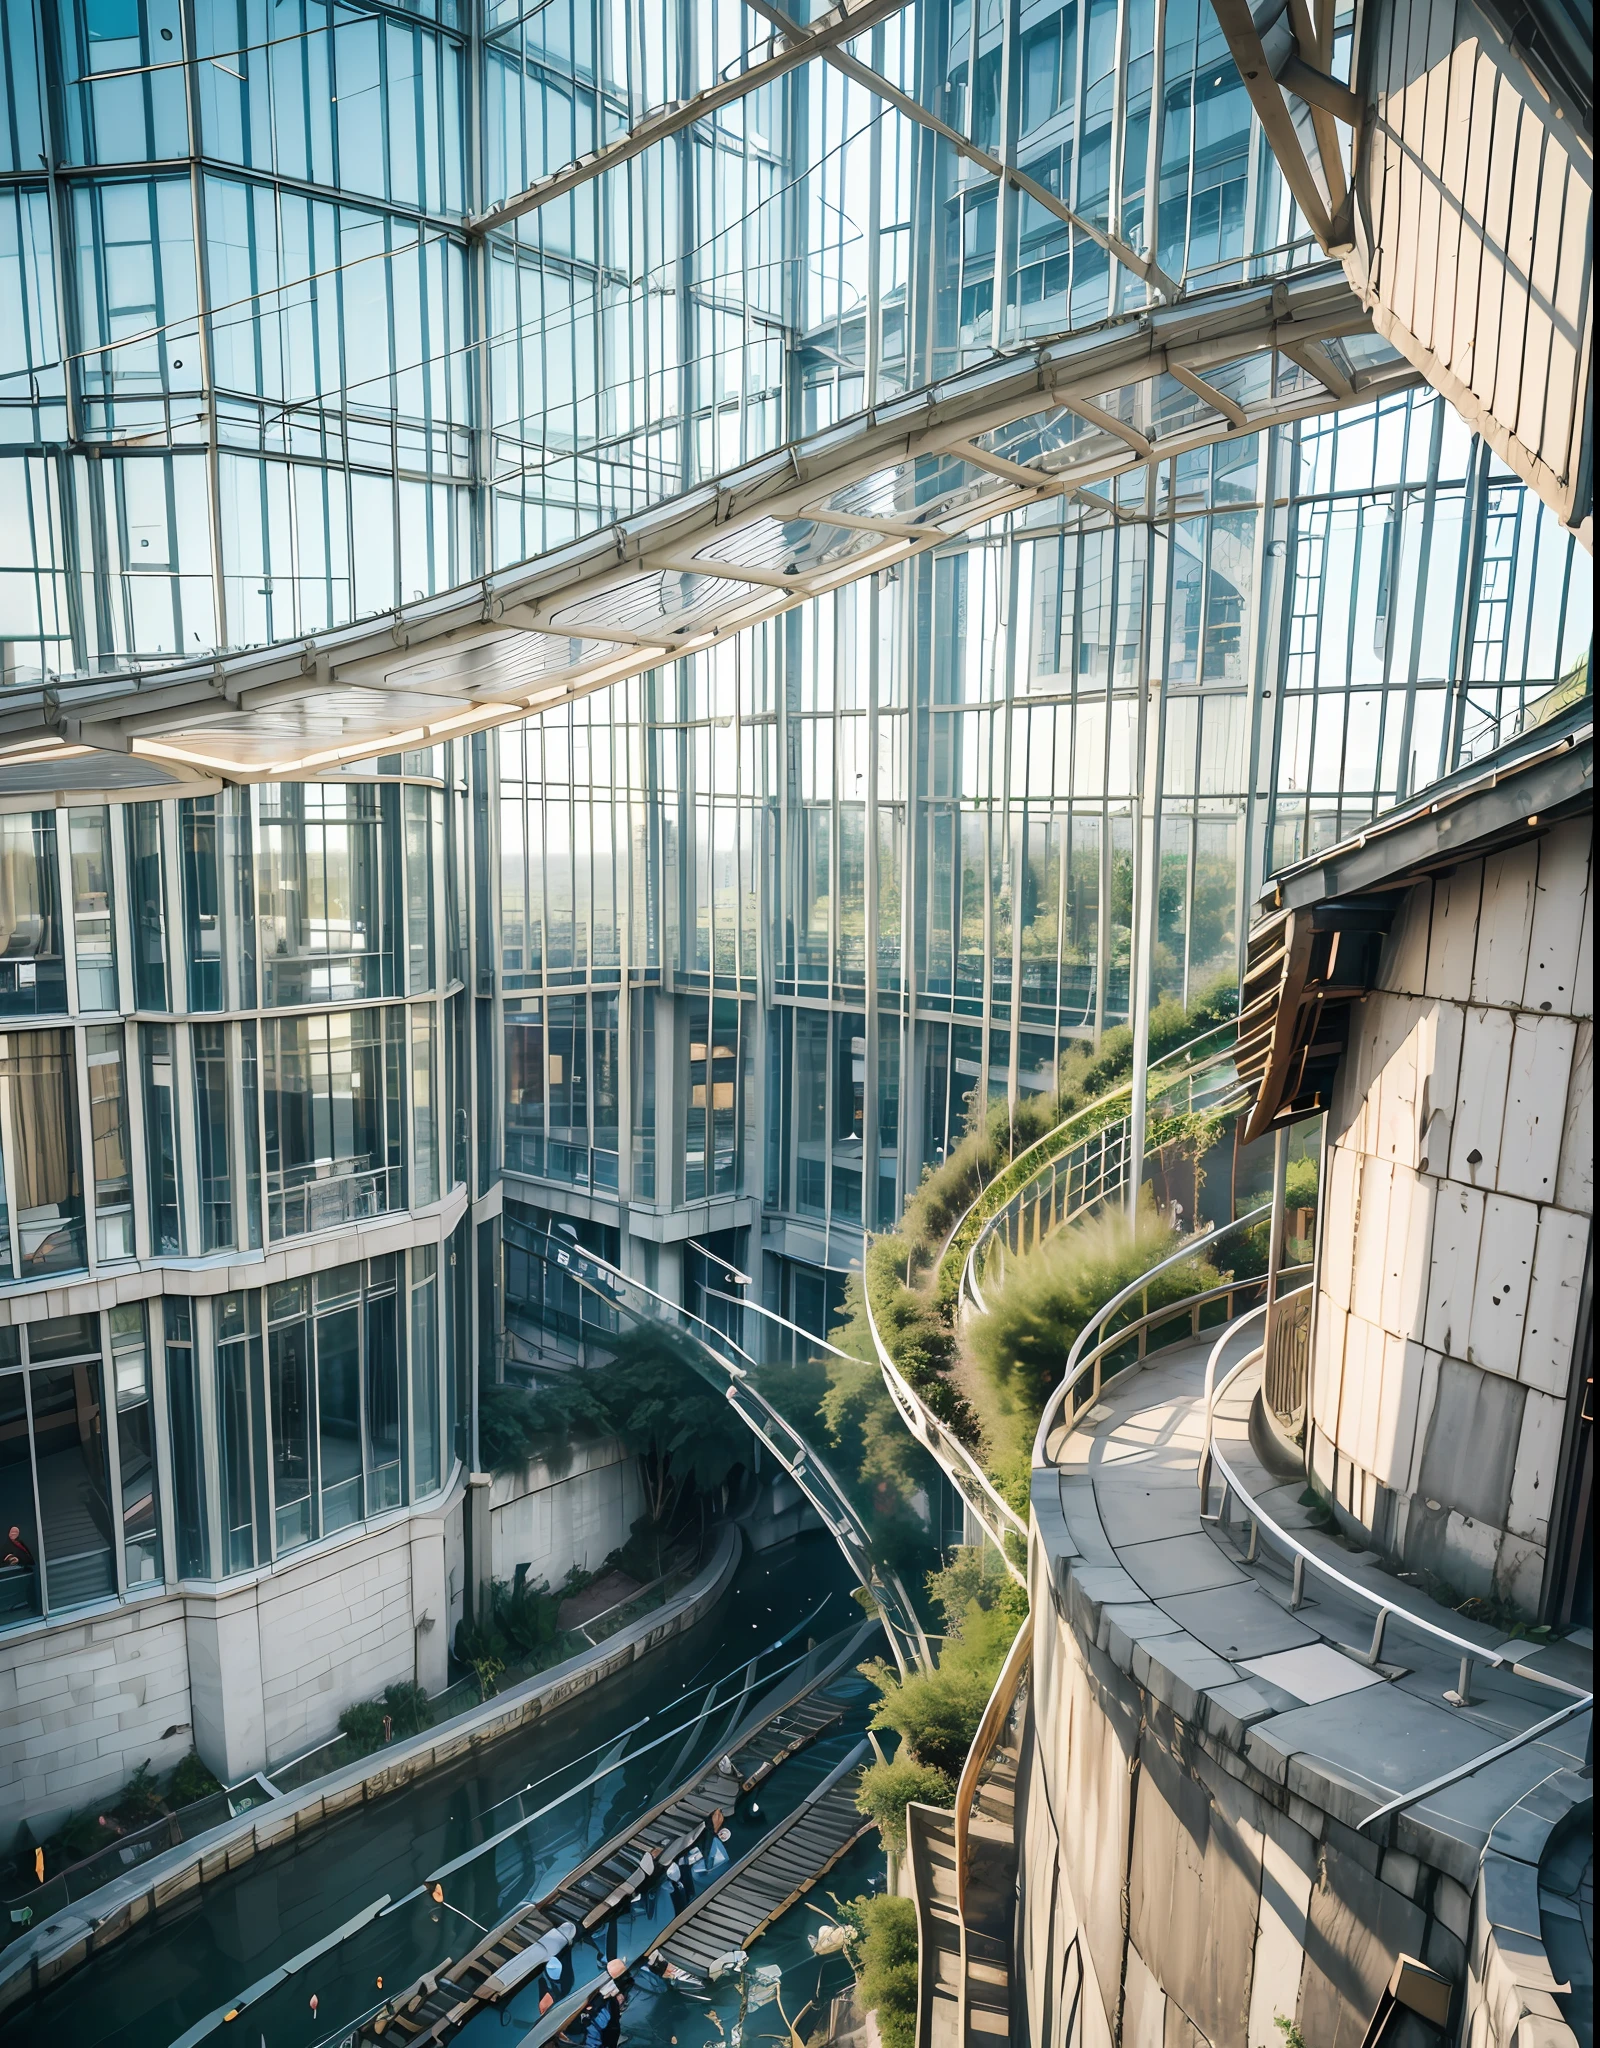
x: 608, y: 1301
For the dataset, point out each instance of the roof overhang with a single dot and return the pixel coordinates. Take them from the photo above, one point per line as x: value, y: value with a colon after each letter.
x: 1062, y: 417
x: 1318, y: 937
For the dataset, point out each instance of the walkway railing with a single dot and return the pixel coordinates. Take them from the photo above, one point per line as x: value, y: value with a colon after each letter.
x: 1086, y: 1366
x: 992, y: 1511
x: 620, y: 1301
x: 1081, y: 1161
x: 1303, y: 1560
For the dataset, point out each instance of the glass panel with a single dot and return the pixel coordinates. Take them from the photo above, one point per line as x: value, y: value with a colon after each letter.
x: 325, y: 896
x: 339, y: 1416
x: 385, y: 1450
x: 289, y: 1374
x: 211, y: 1118
x: 33, y: 974
x: 188, y: 1444
x: 419, y: 889
x: 333, y: 1118
x: 70, y: 1462
x: 202, y: 918
x: 108, y: 1141
x: 20, y: 1592
x: 251, y: 1090
x: 161, y: 1139
x: 94, y: 928
x: 238, y: 1362
x: 424, y: 1116
x: 130, y: 1372
x: 149, y: 898
x: 425, y: 1371
x: 37, y: 1068
x: 525, y: 1078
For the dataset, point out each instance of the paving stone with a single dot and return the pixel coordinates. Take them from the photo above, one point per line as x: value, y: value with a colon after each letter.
x: 1132, y: 1511
x: 1179, y: 1564
x: 1082, y: 1512
x: 1388, y: 1740
x: 1313, y: 1673
x: 1231, y: 1710
x: 1238, y: 1621
x: 1179, y: 1670
x: 1521, y: 1833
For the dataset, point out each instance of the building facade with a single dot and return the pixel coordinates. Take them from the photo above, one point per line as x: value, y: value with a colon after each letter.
x: 709, y: 962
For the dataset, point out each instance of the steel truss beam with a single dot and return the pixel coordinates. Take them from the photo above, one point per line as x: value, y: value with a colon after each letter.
x: 1052, y: 421
x: 905, y: 103
x: 841, y: 24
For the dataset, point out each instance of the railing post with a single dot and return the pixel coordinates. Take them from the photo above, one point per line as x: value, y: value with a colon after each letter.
x: 1299, y: 1593
x: 1378, y: 1628
x: 1280, y: 1184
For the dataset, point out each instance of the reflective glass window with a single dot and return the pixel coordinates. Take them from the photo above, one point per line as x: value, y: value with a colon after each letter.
x: 38, y: 1085
x: 140, y: 1501
x: 33, y: 975
x: 93, y: 926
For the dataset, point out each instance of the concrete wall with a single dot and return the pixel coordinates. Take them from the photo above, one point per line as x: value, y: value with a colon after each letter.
x: 552, y: 1516
x: 1457, y: 1221
x: 248, y: 1676
x: 1173, y: 1896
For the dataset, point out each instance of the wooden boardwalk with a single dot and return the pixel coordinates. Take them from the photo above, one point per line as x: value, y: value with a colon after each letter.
x: 741, y: 1902
x: 433, y: 2009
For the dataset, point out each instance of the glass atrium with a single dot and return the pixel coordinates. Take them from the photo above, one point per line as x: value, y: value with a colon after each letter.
x: 339, y: 319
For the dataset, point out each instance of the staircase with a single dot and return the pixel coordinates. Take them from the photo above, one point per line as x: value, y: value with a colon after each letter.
x: 964, y: 1987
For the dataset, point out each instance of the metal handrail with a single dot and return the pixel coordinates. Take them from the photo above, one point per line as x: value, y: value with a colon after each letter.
x: 991, y: 1224
x: 936, y: 1437
x: 1100, y: 1102
x: 1077, y: 1365
x: 948, y: 1451
x: 995, y: 1715
x: 1304, y: 1559
x: 770, y: 1428
x: 1115, y: 1184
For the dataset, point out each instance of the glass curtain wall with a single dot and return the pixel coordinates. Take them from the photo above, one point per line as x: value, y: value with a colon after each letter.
x: 909, y: 810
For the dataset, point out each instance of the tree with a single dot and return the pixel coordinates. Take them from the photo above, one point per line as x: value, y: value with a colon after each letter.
x: 685, y: 1436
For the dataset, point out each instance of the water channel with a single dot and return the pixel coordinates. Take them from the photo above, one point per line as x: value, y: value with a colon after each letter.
x: 579, y: 1776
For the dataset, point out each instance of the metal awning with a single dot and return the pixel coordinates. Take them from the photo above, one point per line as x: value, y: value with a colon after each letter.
x: 1062, y: 417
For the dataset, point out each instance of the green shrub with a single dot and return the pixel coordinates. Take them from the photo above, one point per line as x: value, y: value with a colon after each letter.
x: 190, y: 1781
x: 404, y: 1706
x: 362, y: 1726
x: 141, y: 1800
x: 1048, y: 1296
x: 884, y: 1950
x: 936, y: 1713
x: 408, y: 1707
x: 886, y: 1790
x: 517, y: 1423
x: 524, y: 1617
x: 975, y: 1577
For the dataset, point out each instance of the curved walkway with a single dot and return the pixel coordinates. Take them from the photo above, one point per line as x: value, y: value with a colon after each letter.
x: 1127, y: 1546
x: 1179, y: 1605
x: 727, y: 1367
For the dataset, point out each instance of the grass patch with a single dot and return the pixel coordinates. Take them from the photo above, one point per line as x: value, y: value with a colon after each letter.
x: 1048, y: 1298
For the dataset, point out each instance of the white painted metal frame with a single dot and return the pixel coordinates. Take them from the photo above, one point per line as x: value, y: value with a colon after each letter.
x: 696, y: 570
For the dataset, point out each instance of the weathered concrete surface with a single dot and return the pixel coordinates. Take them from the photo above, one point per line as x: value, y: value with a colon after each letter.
x: 1199, y: 1758
x: 50, y: 1951
x: 1457, y: 1221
